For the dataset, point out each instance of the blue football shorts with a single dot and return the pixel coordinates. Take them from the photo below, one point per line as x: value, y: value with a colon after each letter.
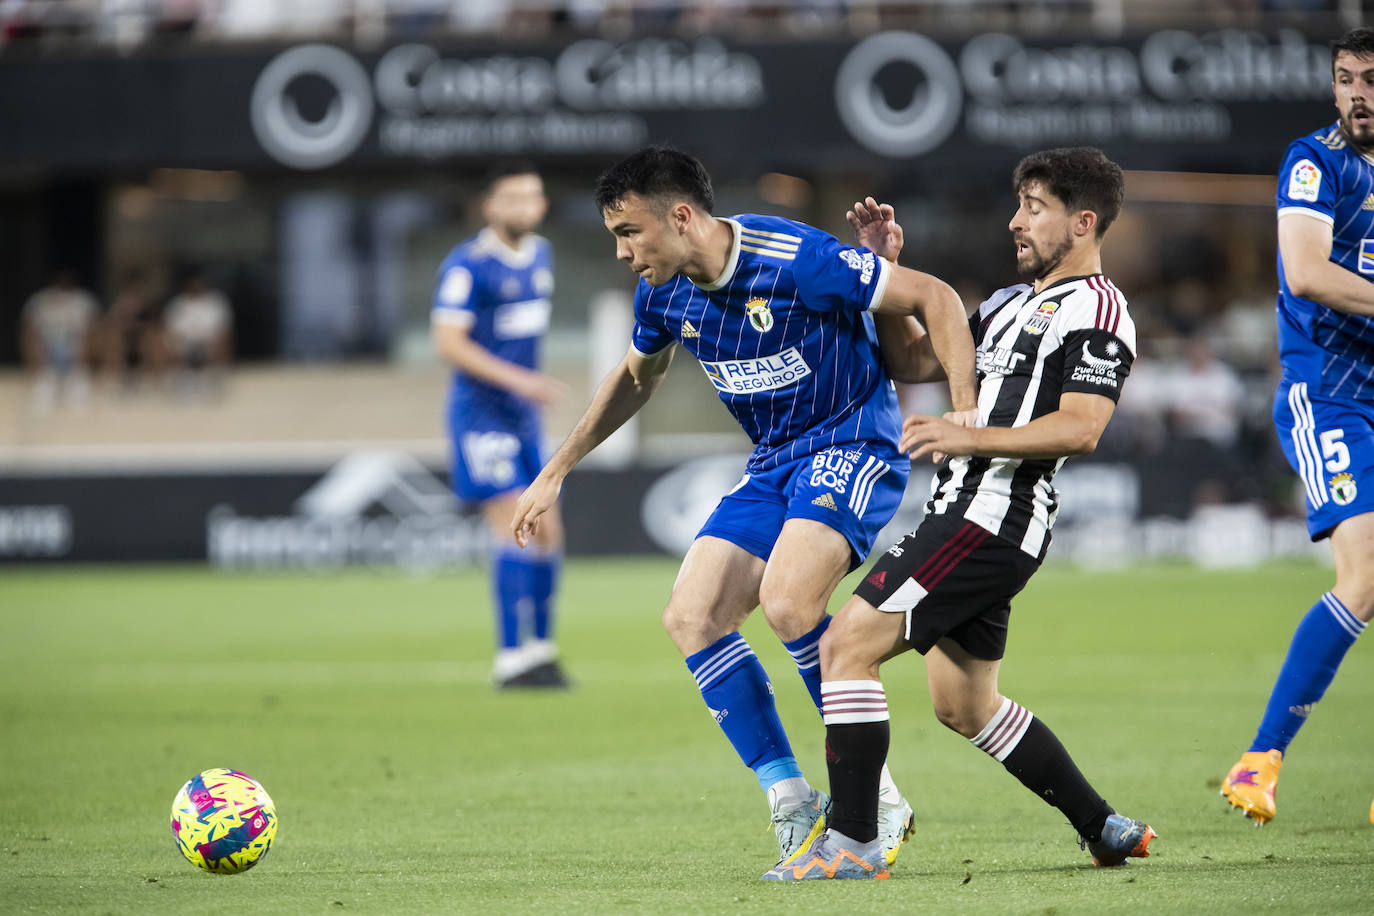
x: 489, y: 462
x: 1330, y: 443
x: 853, y: 488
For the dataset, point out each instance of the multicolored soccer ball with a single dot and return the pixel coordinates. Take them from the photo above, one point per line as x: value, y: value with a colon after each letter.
x: 224, y: 821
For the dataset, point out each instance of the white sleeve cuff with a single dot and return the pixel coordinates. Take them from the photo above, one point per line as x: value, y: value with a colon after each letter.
x: 1308, y: 211
x: 884, y: 271
x: 457, y: 317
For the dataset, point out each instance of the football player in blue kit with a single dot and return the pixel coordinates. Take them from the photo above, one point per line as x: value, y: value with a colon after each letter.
x: 781, y: 317
x: 1324, y: 408
x: 491, y: 307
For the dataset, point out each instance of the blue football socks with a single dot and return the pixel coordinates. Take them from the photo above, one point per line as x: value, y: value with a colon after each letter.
x: 543, y: 582
x: 1318, y: 646
x: 510, y: 582
x: 806, y: 652
x: 740, y: 698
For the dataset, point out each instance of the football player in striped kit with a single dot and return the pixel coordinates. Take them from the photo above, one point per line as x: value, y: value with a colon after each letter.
x: 781, y: 317
x: 1324, y: 407
x: 1052, y: 356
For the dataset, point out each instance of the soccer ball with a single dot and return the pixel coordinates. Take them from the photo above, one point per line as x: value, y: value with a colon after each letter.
x: 224, y: 821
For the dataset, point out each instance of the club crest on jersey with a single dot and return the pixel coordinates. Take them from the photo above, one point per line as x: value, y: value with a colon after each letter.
x: 759, y: 315
x: 1343, y: 489
x: 1040, y: 321
x: 1304, y: 181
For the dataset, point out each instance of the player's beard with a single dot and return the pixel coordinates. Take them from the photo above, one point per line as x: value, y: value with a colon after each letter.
x: 1362, y: 138
x: 1035, y: 265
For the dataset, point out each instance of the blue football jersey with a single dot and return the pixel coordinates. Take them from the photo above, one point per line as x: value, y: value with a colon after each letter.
x: 1333, y: 352
x: 784, y: 336
x: 502, y: 296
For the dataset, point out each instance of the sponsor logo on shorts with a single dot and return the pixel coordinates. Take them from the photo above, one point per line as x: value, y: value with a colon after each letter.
x: 878, y: 579
x: 1304, y: 181
x: 825, y: 501
x: 1343, y: 489
x: 767, y: 373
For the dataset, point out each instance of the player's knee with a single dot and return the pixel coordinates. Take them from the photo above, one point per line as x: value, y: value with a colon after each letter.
x: 956, y: 715
x: 689, y: 629
x: 790, y: 614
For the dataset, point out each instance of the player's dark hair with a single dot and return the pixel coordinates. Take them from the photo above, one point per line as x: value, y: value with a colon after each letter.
x: 656, y: 172
x: 1081, y: 176
x: 1359, y: 42
x: 506, y: 168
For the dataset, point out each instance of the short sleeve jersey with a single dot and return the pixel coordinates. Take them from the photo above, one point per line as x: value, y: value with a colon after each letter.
x: 502, y: 295
x: 1324, y: 178
x: 1074, y: 336
x: 785, y: 336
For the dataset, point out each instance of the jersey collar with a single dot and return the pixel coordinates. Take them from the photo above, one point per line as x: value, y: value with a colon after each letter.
x: 731, y: 262
x: 511, y: 257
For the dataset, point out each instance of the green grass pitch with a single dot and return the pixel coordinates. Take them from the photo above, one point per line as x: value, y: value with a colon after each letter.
x: 405, y: 783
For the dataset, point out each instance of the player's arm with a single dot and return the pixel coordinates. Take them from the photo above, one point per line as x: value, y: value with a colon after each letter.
x: 1305, y: 246
x: 1073, y: 429
x: 456, y: 347
x: 621, y: 394
x: 941, y: 347
x: 911, y: 352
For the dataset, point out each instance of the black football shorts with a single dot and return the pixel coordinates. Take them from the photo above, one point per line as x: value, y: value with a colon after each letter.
x: 951, y: 578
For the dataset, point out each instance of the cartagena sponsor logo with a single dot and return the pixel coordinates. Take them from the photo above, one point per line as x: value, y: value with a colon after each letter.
x: 1098, y: 370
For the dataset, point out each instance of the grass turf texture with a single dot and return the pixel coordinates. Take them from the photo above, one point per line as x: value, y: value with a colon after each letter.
x: 405, y: 783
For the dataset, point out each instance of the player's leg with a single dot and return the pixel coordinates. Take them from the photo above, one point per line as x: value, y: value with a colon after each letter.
x: 1331, y: 446
x: 716, y: 589
x: 963, y: 690
x: 855, y: 713
x: 487, y: 469
x: 511, y: 582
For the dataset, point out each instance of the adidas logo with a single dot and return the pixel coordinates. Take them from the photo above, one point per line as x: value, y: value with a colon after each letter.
x: 1368, y: 203
x: 825, y: 501
x: 689, y: 331
x: 878, y: 579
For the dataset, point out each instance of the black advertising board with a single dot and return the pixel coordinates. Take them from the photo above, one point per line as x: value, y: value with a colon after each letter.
x: 1226, y: 101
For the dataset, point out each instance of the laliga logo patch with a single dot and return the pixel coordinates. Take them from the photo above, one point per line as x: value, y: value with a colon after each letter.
x: 1343, y: 489
x: 1304, y: 181
x: 759, y: 315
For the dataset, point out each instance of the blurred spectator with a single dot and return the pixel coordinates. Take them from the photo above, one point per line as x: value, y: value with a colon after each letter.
x: 1207, y: 399
x: 130, y: 335
x: 58, y: 321
x: 198, y: 329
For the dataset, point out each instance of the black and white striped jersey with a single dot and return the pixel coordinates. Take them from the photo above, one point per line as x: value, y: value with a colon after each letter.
x: 1073, y: 336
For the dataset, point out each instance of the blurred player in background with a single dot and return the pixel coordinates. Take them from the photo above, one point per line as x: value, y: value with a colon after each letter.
x: 778, y: 315
x: 1324, y: 408
x: 1052, y: 357
x: 491, y: 308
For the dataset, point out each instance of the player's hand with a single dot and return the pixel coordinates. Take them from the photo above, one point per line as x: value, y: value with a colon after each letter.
x: 544, y: 390
x: 965, y: 418
x: 924, y: 435
x: 876, y: 228
x: 538, y: 498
